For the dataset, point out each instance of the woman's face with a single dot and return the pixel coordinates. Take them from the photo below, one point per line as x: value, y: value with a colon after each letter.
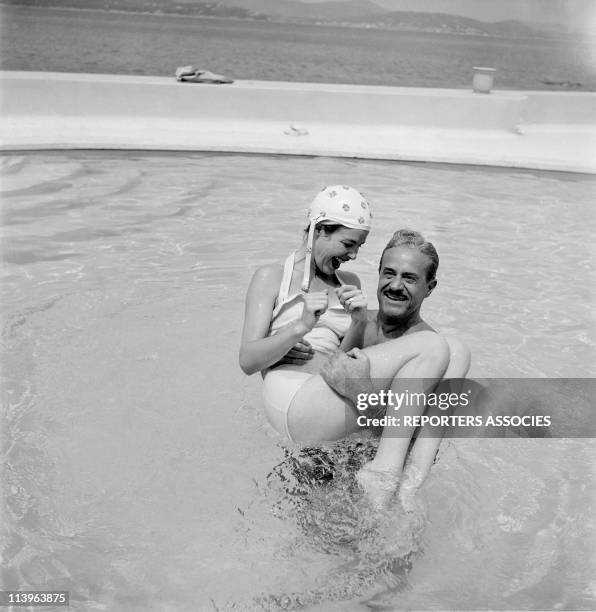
x: 331, y: 250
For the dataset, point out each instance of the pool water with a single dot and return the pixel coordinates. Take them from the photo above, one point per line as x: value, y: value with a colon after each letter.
x: 139, y: 471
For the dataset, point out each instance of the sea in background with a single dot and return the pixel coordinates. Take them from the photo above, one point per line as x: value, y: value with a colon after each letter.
x: 142, y: 44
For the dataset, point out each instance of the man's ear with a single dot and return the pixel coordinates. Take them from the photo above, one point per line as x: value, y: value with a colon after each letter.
x: 430, y: 286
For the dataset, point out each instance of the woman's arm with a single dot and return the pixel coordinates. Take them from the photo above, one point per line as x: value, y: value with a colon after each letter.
x: 354, y: 301
x: 354, y: 337
x: 257, y: 350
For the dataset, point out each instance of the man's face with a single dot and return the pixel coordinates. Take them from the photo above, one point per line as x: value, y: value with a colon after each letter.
x: 402, y: 282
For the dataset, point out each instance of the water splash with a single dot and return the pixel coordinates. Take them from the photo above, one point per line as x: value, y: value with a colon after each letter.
x: 316, y: 489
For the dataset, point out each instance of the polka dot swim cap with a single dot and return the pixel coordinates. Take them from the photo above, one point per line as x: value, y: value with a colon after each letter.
x: 338, y: 204
x: 343, y: 205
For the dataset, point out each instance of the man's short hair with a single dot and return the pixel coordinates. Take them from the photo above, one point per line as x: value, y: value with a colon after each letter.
x: 414, y: 240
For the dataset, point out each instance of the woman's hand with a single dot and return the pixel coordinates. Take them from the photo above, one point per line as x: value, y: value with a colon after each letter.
x: 354, y: 301
x: 315, y: 304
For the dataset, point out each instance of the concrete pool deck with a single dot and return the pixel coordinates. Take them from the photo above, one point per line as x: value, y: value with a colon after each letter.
x: 521, y: 129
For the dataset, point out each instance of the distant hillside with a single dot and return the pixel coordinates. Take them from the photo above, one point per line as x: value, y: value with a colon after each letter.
x: 443, y: 23
x: 308, y: 12
x: 355, y: 13
x: 557, y: 16
x: 284, y: 10
x: 158, y: 7
x: 512, y: 27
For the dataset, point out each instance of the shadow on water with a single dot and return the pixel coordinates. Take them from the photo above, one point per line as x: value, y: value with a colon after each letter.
x: 315, y: 488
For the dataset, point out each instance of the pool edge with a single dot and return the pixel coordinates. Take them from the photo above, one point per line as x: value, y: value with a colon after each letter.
x: 533, y: 130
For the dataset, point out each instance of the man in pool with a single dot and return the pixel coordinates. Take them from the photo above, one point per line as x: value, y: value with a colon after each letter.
x: 407, y: 276
x: 527, y: 408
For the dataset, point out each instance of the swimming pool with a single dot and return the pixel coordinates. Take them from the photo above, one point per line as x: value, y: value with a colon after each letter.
x: 140, y: 472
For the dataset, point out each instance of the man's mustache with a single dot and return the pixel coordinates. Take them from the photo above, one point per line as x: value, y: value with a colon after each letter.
x: 395, y: 294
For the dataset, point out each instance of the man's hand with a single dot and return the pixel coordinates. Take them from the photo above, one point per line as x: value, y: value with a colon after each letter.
x: 299, y: 354
x: 348, y: 373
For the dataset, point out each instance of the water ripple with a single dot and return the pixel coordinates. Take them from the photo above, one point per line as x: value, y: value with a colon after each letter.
x: 122, y: 300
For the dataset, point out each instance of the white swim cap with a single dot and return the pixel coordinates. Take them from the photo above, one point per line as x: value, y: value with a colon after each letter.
x: 338, y: 204
x: 343, y: 205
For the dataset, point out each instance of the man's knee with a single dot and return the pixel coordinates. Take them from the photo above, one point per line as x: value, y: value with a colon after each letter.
x: 460, y: 358
x: 434, y: 350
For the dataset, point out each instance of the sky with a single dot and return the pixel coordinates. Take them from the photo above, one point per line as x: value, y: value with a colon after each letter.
x: 574, y: 13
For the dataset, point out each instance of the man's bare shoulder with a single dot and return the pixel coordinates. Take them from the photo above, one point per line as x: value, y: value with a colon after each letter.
x: 421, y: 326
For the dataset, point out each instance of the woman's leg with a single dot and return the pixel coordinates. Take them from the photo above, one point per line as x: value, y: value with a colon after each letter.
x: 415, y: 363
x: 319, y: 414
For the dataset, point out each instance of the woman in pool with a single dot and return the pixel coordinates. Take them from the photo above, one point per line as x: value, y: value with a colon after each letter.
x: 307, y: 303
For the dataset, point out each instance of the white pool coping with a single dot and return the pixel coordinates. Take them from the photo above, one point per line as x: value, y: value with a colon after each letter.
x: 520, y: 129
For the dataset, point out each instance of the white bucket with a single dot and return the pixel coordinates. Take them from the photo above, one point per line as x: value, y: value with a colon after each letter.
x: 484, y: 79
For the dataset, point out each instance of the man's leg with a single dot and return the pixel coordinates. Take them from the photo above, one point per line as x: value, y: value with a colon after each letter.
x: 427, y: 443
x: 420, y: 374
x: 413, y: 363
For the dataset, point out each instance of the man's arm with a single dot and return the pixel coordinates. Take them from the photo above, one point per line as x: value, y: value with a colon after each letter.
x: 349, y: 375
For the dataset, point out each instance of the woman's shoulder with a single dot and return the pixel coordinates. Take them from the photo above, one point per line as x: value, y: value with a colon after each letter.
x: 268, y: 276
